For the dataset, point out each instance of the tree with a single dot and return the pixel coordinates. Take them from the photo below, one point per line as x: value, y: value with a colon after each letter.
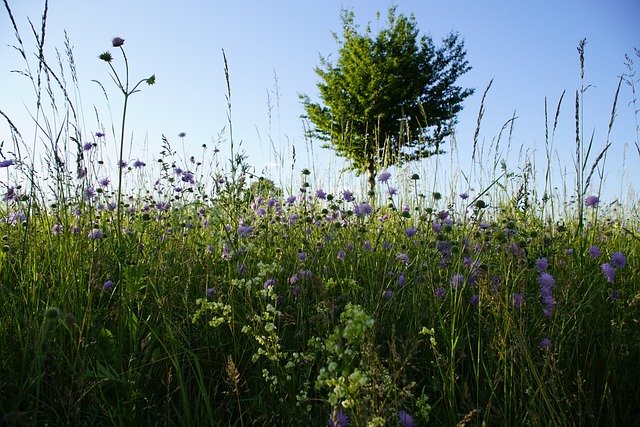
x: 388, y: 99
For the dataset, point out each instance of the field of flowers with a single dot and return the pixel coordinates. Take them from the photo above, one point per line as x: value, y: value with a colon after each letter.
x: 245, y: 307
x: 192, y: 292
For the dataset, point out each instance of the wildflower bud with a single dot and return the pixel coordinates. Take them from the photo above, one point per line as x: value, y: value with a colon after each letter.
x: 70, y: 318
x: 481, y: 204
x: 151, y: 80
x: 106, y: 57
x: 52, y: 313
x: 117, y: 41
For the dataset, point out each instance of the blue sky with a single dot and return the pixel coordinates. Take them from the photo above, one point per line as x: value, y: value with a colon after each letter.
x: 527, y: 48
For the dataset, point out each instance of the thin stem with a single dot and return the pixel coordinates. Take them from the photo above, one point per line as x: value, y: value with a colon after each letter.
x: 120, y: 166
x: 126, y: 92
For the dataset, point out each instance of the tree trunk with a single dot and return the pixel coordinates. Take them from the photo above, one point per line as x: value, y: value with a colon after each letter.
x: 371, y: 178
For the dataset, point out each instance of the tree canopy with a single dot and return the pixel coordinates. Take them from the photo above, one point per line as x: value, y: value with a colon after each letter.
x: 389, y: 98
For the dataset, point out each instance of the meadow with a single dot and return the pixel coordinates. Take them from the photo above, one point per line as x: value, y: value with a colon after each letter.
x: 191, y: 291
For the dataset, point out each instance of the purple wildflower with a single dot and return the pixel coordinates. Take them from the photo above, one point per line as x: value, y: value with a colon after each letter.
x: 162, y: 206
x: 392, y: 192
x: 613, y: 295
x: 464, y: 196
x: 89, y: 193
x: 302, y: 256
x: 244, y: 231
x: 295, y: 291
x: 591, y: 201
x: 410, y: 232
x: 107, y: 285
x: 618, y: 260
x: 320, y: 194
x: 57, y: 229
x: 546, y: 280
x: 188, y: 177
x: 269, y: 283
x: 404, y: 419
x: 457, y: 280
x: 95, y: 234
x: 440, y: 291
x: 15, y: 218
x: 545, y: 343
x: 6, y: 163
x: 436, y: 226
x: 475, y: 299
x: 210, y: 292
x: 341, y: 255
x: 403, y: 257
x: 347, y: 195
x: 291, y: 200
x: 388, y: 294
x: 364, y: 209
x: 11, y: 195
x: 594, y: 251
x: 81, y: 173
x: 182, y: 134
x: 443, y: 246
x: 542, y: 264
x: 338, y: 419
x: 608, y: 271
x: 401, y: 281
x: 87, y: 146
x: 517, y: 300
x: 139, y: 164
x: 293, y: 218
x: 226, y: 252
x: 104, y: 182
x: 99, y: 135
x: 305, y: 274
x: 384, y: 177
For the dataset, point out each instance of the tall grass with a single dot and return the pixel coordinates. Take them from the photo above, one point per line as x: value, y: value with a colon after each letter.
x: 200, y: 294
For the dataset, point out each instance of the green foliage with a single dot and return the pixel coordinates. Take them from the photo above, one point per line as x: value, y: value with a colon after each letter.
x: 391, y: 97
